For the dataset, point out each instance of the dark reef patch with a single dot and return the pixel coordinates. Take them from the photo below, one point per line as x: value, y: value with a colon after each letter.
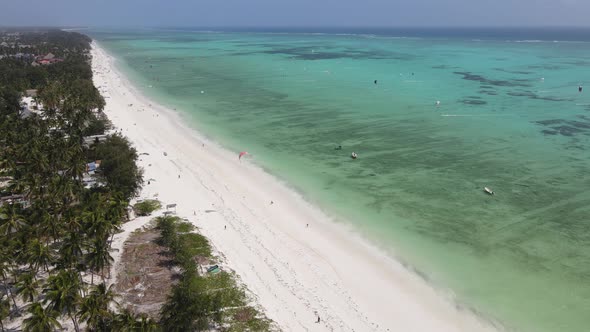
x: 472, y: 101
x: 486, y: 81
x: 549, y: 132
x: 488, y: 92
x: 563, y: 127
x: 532, y: 95
x: 550, y: 122
x: 577, y: 63
x: 518, y: 72
x: 545, y: 67
x: 323, y: 53
x: 568, y: 130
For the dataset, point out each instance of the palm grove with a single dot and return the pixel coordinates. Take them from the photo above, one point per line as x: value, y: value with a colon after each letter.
x: 55, y: 231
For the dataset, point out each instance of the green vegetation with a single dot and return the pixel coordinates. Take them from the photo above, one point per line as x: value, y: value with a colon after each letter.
x: 118, y: 169
x: 55, y: 228
x: 202, y: 300
x: 56, y: 225
x: 145, y: 208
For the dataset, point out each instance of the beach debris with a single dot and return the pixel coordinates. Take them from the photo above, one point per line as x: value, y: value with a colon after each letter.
x: 213, y: 269
x: 171, y: 206
x: 353, y: 155
x: 488, y: 191
x: 243, y: 153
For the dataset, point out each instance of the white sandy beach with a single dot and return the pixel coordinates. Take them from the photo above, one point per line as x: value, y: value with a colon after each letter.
x: 296, y: 272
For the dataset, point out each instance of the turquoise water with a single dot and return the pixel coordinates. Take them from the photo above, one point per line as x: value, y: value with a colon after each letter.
x: 511, y: 118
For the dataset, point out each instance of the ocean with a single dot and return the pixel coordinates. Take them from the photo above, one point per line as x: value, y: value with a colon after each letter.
x: 510, y: 118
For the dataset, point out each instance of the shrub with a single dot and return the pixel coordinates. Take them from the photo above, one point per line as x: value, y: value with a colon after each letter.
x: 146, y: 207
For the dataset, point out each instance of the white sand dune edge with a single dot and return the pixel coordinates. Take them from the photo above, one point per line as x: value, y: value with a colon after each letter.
x: 296, y: 272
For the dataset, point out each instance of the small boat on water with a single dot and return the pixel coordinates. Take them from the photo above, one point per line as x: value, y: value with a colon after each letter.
x: 488, y: 191
x: 353, y: 155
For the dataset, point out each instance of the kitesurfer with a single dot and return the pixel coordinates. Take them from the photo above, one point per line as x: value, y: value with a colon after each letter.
x: 580, y: 88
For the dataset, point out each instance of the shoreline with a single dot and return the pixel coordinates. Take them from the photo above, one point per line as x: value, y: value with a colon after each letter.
x: 296, y: 272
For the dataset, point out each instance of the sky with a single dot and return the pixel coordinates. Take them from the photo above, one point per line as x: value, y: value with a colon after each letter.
x: 295, y: 13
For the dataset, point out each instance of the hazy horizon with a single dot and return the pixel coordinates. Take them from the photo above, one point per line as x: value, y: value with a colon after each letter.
x: 302, y: 13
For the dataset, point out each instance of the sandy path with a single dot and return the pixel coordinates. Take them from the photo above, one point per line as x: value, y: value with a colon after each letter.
x: 296, y: 272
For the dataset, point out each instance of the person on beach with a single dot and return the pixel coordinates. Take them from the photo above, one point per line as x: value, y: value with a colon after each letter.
x: 318, y: 321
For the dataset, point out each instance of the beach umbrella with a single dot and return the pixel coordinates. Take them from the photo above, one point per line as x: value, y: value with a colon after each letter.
x: 243, y: 153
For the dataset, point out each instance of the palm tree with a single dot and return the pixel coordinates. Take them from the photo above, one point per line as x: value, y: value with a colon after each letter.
x: 63, y: 294
x: 27, y: 286
x: 10, y: 219
x: 71, y: 251
x: 95, y: 307
x: 38, y: 255
x: 98, y: 258
x: 4, y: 311
x: 4, y: 272
x: 145, y: 324
x: 51, y: 96
x: 127, y: 321
x: 41, y: 319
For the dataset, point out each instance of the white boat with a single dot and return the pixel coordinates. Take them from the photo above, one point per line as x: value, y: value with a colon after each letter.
x: 488, y: 190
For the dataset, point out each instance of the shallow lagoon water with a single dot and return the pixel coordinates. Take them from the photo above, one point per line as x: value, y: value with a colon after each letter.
x: 511, y: 118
